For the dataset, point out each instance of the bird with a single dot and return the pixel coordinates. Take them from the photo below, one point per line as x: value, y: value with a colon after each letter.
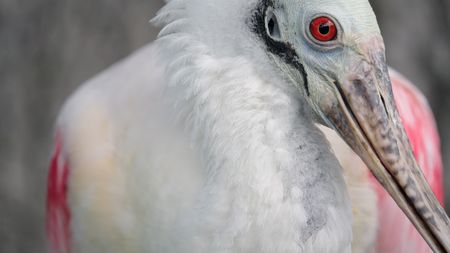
x: 206, y: 140
x: 376, y: 216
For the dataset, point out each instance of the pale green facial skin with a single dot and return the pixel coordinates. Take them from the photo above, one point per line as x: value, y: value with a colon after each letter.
x: 357, y: 27
x: 356, y: 22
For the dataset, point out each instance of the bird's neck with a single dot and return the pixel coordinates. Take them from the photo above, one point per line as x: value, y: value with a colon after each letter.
x: 269, y: 170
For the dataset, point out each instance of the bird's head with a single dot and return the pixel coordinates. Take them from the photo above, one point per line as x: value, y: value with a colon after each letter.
x: 333, y: 53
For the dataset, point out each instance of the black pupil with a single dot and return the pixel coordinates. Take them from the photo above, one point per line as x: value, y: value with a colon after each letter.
x: 271, y: 26
x: 324, y: 28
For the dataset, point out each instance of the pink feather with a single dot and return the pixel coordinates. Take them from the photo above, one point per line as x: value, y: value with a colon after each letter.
x: 58, y: 213
x: 396, y: 233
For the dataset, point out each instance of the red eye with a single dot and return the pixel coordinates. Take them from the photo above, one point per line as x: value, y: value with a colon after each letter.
x: 323, y: 29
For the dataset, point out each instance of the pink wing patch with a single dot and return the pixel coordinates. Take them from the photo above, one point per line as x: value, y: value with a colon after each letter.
x: 58, y: 213
x: 396, y: 233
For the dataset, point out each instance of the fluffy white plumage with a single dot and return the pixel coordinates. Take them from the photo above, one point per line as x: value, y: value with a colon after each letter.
x: 197, y: 142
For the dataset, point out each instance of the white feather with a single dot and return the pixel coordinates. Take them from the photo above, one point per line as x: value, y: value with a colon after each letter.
x: 194, y: 143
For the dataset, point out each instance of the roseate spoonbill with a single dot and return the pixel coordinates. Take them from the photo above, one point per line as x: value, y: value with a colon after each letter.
x: 378, y: 224
x: 206, y: 140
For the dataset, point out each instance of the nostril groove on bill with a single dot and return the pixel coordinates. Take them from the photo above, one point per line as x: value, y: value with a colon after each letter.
x: 384, y: 106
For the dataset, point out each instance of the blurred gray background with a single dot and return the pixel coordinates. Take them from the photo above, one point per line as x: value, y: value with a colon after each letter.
x: 49, y: 47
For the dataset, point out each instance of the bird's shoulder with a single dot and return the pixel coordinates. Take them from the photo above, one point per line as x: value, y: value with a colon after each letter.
x: 120, y: 93
x: 103, y: 134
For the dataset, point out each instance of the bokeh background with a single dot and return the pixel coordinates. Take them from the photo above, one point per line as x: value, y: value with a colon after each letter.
x: 49, y: 47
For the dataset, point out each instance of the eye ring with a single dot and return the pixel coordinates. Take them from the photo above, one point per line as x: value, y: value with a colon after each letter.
x: 323, y: 29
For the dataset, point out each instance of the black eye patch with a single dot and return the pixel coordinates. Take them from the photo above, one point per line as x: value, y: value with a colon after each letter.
x: 284, y: 50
